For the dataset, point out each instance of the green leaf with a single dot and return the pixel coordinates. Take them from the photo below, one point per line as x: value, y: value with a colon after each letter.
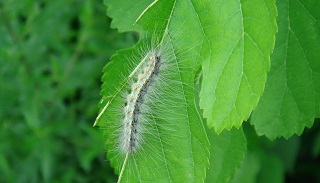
x: 175, y: 147
x: 259, y: 166
x: 238, y: 38
x: 271, y: 170
x: 291, y: 98
x: 316, y: 146
x: 226, y: 154
x: 287, y: 151
x: 249, y: 169
x: 125, y: 13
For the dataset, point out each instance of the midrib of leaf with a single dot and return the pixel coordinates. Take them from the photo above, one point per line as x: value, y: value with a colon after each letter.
x: 219, y: 80
x: 306, y: 61
x: 316, y: 111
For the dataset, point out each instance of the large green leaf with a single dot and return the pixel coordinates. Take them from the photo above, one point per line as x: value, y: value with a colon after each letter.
x: 226, y: 154
x: 175, y: 147
x: 292, y: 95
x: 238, y: 38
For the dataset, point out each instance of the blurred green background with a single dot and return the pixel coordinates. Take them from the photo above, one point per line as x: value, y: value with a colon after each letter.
x: 51, y: 59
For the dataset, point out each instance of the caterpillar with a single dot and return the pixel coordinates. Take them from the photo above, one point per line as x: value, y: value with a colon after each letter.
x: 142, y: 105
x: 147, y: 114
x: 130, y: 139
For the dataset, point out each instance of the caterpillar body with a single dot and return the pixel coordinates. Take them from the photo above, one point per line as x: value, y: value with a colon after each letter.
x: 130, y: 138
x: 140, y: 99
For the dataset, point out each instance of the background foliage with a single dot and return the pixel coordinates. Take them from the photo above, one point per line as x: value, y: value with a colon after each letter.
x: 51, y: 57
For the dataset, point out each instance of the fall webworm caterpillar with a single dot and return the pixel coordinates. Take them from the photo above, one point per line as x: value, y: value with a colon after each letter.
x: 132, y: 125
x: 144, y: 114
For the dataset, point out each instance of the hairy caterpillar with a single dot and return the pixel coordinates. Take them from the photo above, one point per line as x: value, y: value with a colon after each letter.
x: 148, y: 113
x: 130, y: 137
x: 136, y: 103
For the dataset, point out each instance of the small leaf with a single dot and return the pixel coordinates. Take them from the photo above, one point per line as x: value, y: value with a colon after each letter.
x: 291, y: 98
x: 271, y: 170
x: 226, y: 154
x: 259, y: 166
x: 316, y: 146
x: 238, y: 38
x: 125, y: 13
x: 249, y: 169
x: 287, y: 151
